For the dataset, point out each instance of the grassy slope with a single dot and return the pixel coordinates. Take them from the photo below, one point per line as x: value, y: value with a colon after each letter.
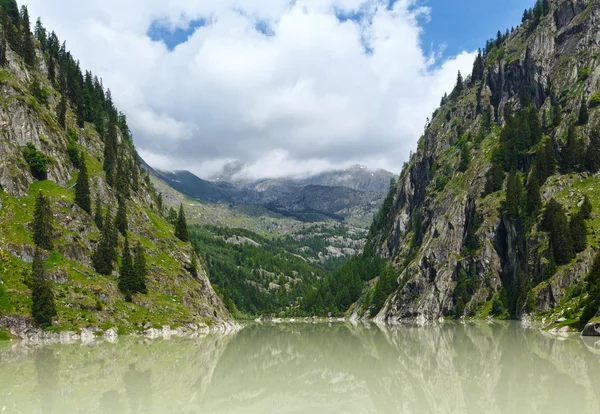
x: 84, y: 297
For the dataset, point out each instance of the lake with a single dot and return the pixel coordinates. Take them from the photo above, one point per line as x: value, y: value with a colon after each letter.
x: 305, y: 368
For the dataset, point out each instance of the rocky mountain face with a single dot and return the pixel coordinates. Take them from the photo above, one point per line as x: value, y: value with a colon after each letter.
x: 84, y: 298
x: 550, y: 62
x: 353, y: 194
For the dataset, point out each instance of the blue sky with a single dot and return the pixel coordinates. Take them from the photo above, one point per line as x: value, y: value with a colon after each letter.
x: 467, y: 24
x: 464, y: 26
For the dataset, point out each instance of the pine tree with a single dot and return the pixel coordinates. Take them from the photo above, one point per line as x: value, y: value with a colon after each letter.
x: 121, y: 217
x: 478, y: 67
x: 27, y: 45
x: 569, y: 152
x: 592, y: 156
x: 82, y: 188
x: 43, y: 223
x: 465, y: 158
x: 110, y: 152
x: 122, y: 185
x: 105, y: 250
x: 3, y: 45
x: 514, y: 196
x: 495, y: 179
x: 533, y: 198
x: 586, y: 208
x: 181, y: 230
x: 140, y: 269
x: 578, y: 232
x: 555, y: 221
x: 194, y: 265
x: 61, y: 112
x: 43, y: 307
x: 172, y: 216
x: 550, y: 159
x: 556, y: 115
x: 98, y: 218
x: 459, y: 84
x: 159, y: 203
x: 583, y: 113
x: 127, y: 273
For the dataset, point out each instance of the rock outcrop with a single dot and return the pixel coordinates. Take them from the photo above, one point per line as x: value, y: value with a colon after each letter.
x: 550, y: 63
x: 83, y: 297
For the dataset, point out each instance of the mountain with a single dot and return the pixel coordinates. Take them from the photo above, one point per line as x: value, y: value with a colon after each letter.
x: 353, y: 194
x: 491, y: 215
x: 53, y: 118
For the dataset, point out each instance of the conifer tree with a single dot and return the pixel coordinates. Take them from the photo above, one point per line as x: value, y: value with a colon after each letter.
x: 556, y: 115
x: 586, y: 208
x: 194, y: 265
x: 578, y: 232
x: 127, y: 273
x: 105, y: 250
x: 159, y: 203
x: 121, y: 217
x: 514, y: 195
x: 27, y: 45
x: 98, y: 218
x: 459, y: 84
x: 555, y: 221
x: 43, y: 223
x: 110, y: 152
x: 593, y: 291
x: 140, y: 269
x: 172, y: 216
x: 122, y: 185
x: 82, y: 188
x: 583, y: 113
x: 533, y: 198
x: 61, y: 111
x: 465, y: 158
x: 550, y: 159
x: 592, y: 156
x: 181, y: 230
x: 43, y: 307
x: 569, y: 152
x: 495, y: 179
x: 478, y: 67
x: 3, y: 45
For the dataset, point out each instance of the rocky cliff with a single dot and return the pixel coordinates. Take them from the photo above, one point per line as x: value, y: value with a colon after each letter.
x: 551, y: 63
x: 29, y: 107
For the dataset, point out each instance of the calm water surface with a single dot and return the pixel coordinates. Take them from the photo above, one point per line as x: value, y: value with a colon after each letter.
x: 453, y: 368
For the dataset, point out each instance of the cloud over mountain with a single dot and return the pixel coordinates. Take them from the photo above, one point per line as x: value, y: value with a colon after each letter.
x: 285, y: 87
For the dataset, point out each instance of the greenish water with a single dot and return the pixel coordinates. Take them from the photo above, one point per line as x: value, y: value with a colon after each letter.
x: 452, y: 368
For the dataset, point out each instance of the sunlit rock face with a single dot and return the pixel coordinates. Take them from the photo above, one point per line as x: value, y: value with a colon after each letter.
x: 426, y: 228
x: 291, y: 368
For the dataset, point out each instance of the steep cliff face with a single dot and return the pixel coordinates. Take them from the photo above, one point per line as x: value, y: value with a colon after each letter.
x: 84, y: 298
x: 440, y: 206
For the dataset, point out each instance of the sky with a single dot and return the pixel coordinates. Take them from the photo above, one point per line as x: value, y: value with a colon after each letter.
x: 286, y: 87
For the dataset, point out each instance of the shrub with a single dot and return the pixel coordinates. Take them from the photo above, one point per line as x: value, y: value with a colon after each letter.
x: 37, y: 161
x: 595, y: 100
x: 584, y: 73
x: 440, y: 182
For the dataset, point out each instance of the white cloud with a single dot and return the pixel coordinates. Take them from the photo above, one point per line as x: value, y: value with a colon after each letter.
x: 316, y: 94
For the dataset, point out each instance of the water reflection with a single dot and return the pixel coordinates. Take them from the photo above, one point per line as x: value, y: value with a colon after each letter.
x: 452, y: 368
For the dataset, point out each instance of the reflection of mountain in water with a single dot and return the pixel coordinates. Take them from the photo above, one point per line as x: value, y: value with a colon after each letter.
x: 311, y: 368
x: 131, y: 376
x: 451, y: 368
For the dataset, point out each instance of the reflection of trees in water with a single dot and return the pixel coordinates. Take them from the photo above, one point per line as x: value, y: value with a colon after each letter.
x: 450, y: 368
x: 132, y: 376
x: 47, y: 367
x: 138, y: 388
